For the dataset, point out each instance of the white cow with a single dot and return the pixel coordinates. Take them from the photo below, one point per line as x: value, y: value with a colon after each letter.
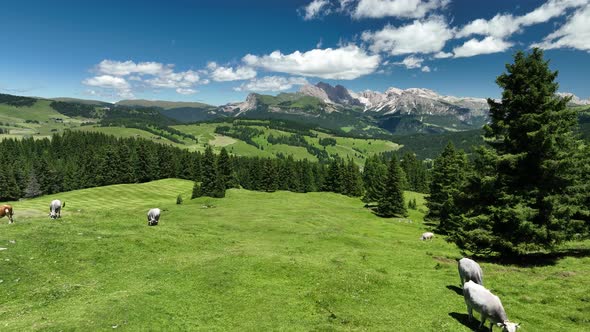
x: 55, y: 208
x: 470, y: 270
x: 153, y: 217
x: 480, y: 299
x: 427, y: 236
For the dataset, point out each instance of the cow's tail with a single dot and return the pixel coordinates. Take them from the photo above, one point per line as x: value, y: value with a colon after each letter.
x: 63, y: 205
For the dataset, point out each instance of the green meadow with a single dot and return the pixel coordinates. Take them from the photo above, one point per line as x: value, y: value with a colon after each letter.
x: 346, y: 147
x: 255, y: 261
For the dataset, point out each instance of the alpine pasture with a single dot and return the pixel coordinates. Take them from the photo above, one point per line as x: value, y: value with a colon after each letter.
x: 255, y: 261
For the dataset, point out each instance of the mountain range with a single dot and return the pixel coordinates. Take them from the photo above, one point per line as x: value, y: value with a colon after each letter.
x: 397, y: 111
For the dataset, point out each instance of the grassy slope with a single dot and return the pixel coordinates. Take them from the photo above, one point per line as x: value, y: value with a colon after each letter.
x: 16, y: 118
x: 345, y: 146
x: 254, y: 261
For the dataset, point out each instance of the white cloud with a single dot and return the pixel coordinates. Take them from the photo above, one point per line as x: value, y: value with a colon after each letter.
x: 443, y: 55
x: 271, y: 83
x: 396, y: 8
x: 118, y: 85
x: 107, y: 81
x: 186, y: 91
x: 224, y: 74
x: 504, y: 25
x: 426, y: 69
x: 345, y: 63
x: 124, y: 68
x: 487, y: 45
x: 421, y: 36
x: 315, y: 9
x: 121, y: 78
x: 499, y: 26
x: 411, y: 62
x: 184, y: 79
x: 575, y: 33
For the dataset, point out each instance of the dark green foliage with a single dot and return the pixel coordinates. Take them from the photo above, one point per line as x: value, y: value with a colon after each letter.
x: 225, y: 169
x: 327, y: 141
x: 353, y: 182
x: 429, y: 146
x: 74, y: 109
x: 447, y: 179
x: 412, y: 204
x: 535, y: 160
x: 179, y: 199
x: 391, y: 202
x: 335, y: 177
x: 416, y: 173
x: 243, y: 133
x: 374, y: 176
x: 16, y: 100
x: 211, y: 183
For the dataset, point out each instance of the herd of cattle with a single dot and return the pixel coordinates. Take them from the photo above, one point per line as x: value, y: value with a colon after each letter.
x: 56, y: 205
x: 476, y: 296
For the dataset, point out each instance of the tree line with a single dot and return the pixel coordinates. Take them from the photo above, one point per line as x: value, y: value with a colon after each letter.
x: 76, y: 160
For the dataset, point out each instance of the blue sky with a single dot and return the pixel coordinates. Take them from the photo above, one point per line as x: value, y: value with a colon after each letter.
x: 219, y: 51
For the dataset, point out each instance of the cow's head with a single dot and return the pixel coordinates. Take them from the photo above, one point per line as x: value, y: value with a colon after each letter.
x: 52, y: 215
x: 152, y: 222
x: 509, y: 326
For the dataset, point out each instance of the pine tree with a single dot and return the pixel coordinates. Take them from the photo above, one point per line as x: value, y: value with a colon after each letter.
x: 391, y: 202
x: 534, y: 163
x: 334, y: 181
x: 374, y: 176
x: 225, y: 169
x: 353, y: 181
x: 33, y: 187
x: 211, y: 184
x: 448, y: 176
x: 415, y: 173
x: 270, y: 178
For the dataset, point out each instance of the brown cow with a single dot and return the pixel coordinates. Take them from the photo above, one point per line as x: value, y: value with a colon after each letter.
x: 6, y: 210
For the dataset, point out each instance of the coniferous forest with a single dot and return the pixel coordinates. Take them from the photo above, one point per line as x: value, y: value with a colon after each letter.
x: 75, y: 160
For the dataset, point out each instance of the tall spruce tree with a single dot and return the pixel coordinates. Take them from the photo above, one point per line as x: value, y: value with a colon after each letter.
x: 534, y: 158
x: 374, y: 176
x: 353, y: 184
x: 448, y: 176
x: 225, y: 168
x: 391, y: 202
x: 211, y: 184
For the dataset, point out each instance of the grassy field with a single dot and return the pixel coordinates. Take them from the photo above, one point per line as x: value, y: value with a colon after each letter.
x: 253, y: 262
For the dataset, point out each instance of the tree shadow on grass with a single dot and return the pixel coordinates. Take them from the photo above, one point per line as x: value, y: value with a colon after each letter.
x: 537, y: 259
x: 455, y: 289
x: 464, y: 319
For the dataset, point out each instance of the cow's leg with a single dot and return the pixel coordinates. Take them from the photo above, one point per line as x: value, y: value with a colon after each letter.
x: 470, y: 313
x: 10, y: 219
x: 483, y: 319
x: 491, y: 326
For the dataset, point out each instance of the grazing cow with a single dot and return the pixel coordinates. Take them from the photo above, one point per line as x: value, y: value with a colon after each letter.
x: 153, y: 217
x: 427, y: 236
x: 470, y: 270
x: 6, y: 210
x: 55, y: 208
x: 480, y: 299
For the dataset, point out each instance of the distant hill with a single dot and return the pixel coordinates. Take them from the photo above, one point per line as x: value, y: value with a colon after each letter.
x: 181, y: 111
x: 83, y: 101
x: 163, y: 104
